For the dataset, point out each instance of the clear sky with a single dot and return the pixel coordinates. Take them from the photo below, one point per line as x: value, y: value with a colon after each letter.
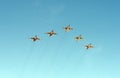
x: 60, y: 56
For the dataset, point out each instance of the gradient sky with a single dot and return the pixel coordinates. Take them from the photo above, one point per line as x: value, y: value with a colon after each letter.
x: 60, y: 56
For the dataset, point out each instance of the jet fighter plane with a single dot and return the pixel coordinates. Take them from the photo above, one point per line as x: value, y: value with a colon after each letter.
x: 35, y: 38
x: 67, y: 28
x: 89, y: 46
x: 78, y: 38
x: 51, y: 33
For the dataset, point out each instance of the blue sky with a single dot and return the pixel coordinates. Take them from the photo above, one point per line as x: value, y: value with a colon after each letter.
x: 59, y: 56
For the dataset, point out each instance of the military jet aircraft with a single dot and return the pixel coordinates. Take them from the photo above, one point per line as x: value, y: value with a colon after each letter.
x: 51, y: 33
x: 35, y: 38
x: 89, y: 46
x: 78, y: 38
x: 67, y: 28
